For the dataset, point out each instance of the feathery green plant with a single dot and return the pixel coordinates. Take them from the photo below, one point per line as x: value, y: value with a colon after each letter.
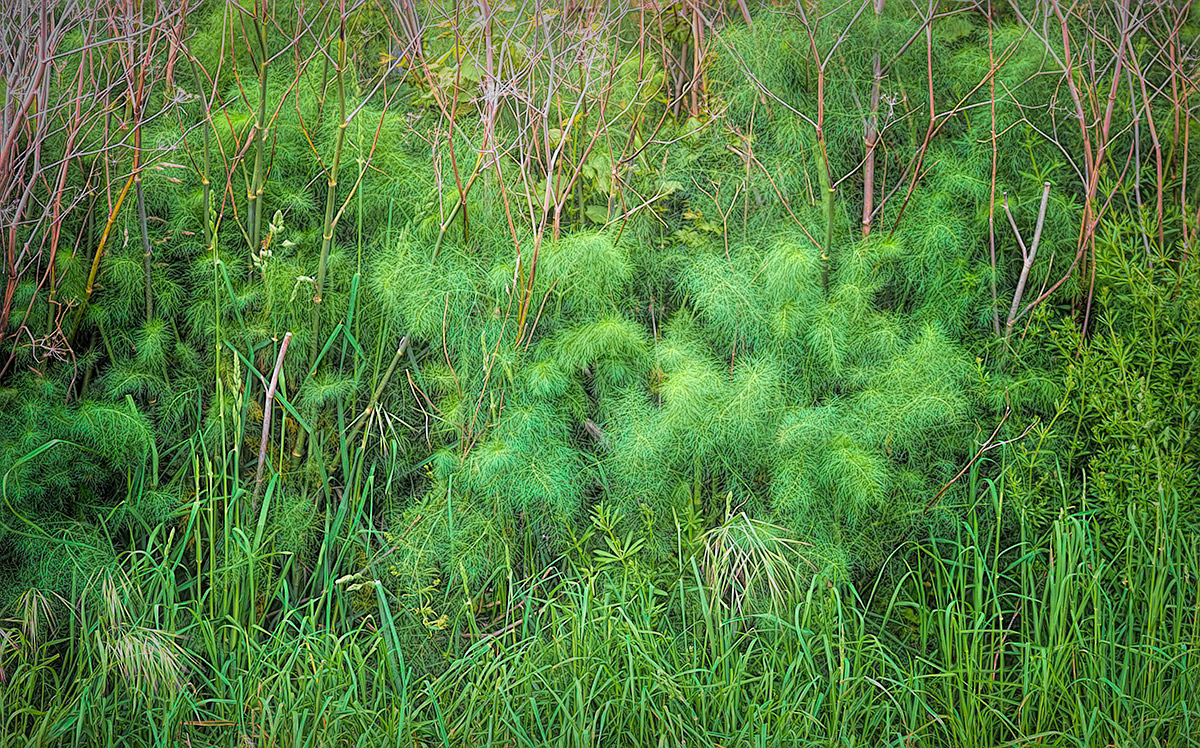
x: 618, y: 408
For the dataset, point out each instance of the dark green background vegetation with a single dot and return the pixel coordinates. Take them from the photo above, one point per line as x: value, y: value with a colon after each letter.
x: 456, y: 374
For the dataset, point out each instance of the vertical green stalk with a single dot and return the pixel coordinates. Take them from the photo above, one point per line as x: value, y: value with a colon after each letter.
x: 331, y: 212
x: 204, y: 183
x: 871, y: 129
x: 208, y: 219
x: 827, y: 209
x: 255, y: 193
x: 331, y: 193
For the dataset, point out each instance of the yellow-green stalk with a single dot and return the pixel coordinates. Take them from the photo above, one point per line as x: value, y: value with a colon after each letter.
x: 331, y: 212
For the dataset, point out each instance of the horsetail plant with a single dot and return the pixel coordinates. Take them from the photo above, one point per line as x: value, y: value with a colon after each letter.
x: 674, y: 445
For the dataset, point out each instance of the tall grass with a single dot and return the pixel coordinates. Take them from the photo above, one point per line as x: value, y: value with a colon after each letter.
x: 967, y: 638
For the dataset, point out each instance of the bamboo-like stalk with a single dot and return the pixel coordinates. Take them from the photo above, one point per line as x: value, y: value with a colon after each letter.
x: 871, y: 129
x: 822, y: 153
x: 827, y: 205
x: 205, y: 185
x: 330, y: 221
x: 255, y: 193
x: 331, y: 213
x: 826, y: 190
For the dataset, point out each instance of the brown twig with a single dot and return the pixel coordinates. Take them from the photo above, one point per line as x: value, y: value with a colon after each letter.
x: 266, y: 427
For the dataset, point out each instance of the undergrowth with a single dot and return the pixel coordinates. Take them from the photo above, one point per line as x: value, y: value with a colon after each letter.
x: 417, y: 373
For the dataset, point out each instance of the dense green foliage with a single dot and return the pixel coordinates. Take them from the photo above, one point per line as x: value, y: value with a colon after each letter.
x: 492, y: 390
x: 1066, y: 638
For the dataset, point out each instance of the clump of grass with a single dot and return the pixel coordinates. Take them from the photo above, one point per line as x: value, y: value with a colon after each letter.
x: 963, y: 639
